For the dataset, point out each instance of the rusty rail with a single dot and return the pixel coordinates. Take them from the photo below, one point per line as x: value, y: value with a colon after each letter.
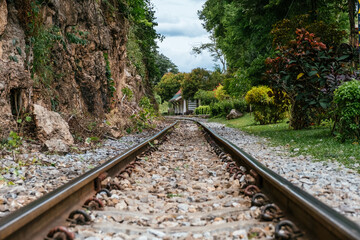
x: 311, y: 215
x: 35, y: 220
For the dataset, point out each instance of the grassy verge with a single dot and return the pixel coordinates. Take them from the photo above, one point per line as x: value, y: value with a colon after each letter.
x: 317, y: 141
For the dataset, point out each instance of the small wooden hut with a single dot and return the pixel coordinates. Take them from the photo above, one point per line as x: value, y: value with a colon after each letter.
x: 182, y: 106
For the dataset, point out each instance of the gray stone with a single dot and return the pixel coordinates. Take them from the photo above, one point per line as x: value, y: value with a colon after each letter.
x: 234, y: 114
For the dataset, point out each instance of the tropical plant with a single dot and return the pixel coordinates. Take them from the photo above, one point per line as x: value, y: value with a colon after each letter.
x: 303, y: 70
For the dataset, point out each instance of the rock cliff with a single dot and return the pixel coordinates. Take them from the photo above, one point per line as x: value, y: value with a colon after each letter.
x: 68, y: 56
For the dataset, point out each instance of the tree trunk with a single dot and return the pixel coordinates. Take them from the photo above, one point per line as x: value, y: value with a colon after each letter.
x: 351, y: 8
x: 299, y: 118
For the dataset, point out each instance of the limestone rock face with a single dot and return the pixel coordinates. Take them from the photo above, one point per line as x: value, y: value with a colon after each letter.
x: 3, y: 16
x: 234, y: 114
x: 78, y: 83
x: 52, y: 129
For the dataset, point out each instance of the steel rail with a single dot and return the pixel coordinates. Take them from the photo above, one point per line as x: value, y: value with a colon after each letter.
x: 311, y: 215
x: 36, y: 219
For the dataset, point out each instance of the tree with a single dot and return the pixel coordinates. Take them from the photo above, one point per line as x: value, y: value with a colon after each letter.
x: 199, y: 78
x: 241, y: 28
x: 214, y: 50
x: 169, y: 84
x: 165, y: 65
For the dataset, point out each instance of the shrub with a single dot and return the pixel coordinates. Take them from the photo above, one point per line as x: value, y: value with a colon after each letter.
x: 223, y: 108
x: 302, y: 69
x: 347, y: 99
x: 143, y: 119
x: 206, y: 97
x: 220, y: 93
x: 203, y: 110
x: 269, y: 106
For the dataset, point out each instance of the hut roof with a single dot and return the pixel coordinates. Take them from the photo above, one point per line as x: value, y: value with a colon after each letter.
x: 176, y: 97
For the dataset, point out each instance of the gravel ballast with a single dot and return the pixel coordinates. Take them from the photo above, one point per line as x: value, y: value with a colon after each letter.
x: 330, y: 182
x: 28, y: 176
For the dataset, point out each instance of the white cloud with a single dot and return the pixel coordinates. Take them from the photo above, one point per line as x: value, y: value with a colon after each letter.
x: 179, y: 23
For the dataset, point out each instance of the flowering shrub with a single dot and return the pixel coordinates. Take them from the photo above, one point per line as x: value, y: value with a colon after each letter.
x: 347, y: 99
x: 269, y: 106
x: 302, y: 69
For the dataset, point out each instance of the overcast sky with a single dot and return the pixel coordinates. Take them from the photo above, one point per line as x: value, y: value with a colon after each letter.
x: 179, y: 23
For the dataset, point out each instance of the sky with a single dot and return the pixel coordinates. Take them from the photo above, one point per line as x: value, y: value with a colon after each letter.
x: 179, y: 23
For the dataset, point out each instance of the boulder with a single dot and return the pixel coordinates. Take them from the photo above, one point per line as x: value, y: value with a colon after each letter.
x: 56, y: 145
x: 234, y: 114
x: 3, y: 16
x: 52, y: 129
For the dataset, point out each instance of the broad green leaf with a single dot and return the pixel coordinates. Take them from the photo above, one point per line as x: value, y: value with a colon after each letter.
x: 343, y: 57
x: 312, y: 73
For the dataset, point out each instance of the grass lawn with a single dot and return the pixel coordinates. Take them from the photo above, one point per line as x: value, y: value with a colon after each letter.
x: 316, y: 141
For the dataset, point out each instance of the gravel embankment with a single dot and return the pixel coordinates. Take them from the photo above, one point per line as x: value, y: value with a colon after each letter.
x: 28, y: 176
x: 330, y: 182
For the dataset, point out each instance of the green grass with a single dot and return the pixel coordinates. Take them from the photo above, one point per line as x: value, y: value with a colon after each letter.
x: 316, y: 141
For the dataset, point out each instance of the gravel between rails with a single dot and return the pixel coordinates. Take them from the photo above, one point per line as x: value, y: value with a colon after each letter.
x: 32, y: 174
x: 180, y: 191
x: 331, y: 182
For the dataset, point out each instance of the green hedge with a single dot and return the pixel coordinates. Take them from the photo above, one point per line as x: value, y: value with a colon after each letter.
x: 223, y: 108
x: 203, y: 110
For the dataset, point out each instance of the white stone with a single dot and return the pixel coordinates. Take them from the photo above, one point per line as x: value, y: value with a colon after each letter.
x: 156, y: 233
x: 242, y: 234
x: 183, y: 207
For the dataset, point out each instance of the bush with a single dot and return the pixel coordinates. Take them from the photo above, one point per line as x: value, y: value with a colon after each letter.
x: 223, y: 108
x: 206, y: 97
x: 308, y: 71
x: 203, y: 110
x: 220, y: 93
x: 269, y: 106
x: 347, y: 99
x: 143, y: 119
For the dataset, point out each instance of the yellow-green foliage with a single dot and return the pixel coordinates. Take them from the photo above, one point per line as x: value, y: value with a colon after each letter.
x: 269, y: 106
x: 203, y: 110
x: 259, y: 95
x: 220, y: 93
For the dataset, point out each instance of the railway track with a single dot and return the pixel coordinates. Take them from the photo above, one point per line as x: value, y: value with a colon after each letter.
x: 186, y: 182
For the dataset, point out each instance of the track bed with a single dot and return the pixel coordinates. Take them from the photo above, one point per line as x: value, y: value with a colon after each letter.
x: 181, y: 190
